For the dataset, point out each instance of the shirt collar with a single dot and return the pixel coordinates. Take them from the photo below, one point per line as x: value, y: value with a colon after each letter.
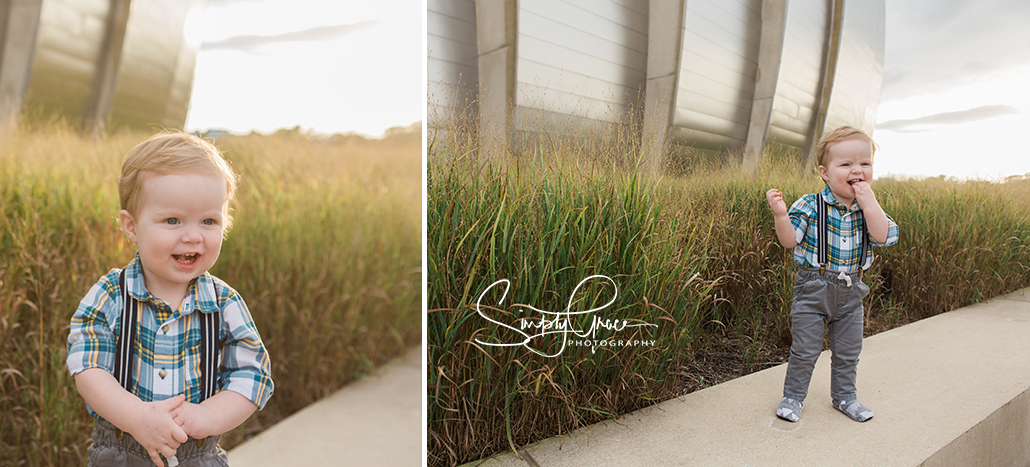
x: 828, y: 196
x: 205, y: 299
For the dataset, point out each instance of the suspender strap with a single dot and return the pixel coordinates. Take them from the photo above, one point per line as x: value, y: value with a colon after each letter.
x: 208, y: 352
x: 124, y: 355
x: 824, y: 234
x: 125, y: 358
x: 865, y: 244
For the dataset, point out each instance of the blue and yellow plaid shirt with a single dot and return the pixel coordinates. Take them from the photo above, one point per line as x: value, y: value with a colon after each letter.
x: 845, y: 225
x: 168, y: 342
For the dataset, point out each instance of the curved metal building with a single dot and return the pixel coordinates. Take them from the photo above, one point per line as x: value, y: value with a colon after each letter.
x: 710, y: 74
x: 98, y: 62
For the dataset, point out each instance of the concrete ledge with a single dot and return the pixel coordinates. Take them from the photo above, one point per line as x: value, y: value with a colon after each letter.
x: 1001, y: 439
x: 374, y: 421
x: 947, y: 390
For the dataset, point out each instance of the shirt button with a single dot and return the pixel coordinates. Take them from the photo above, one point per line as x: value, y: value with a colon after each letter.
x: 164, y: 329
x: 162, y: 373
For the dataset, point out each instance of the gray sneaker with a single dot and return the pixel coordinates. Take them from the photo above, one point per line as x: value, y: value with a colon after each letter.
x: 790, y: 409
x: 854, y: 409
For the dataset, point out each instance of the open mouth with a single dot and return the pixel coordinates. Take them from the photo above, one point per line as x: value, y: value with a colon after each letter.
x: 852, y: 182
x: 187, y: 259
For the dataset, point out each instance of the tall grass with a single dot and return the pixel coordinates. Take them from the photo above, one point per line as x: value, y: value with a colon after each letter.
x: 695, y: 254
x: 325, y: 251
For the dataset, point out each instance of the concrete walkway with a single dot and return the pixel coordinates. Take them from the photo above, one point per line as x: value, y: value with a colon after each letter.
x: 947, y: 390
x: 375, y: 421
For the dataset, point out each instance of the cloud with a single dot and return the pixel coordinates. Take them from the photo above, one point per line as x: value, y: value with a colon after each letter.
x: 250, y: 43
x: 948, y: 118
x: 932, y: 45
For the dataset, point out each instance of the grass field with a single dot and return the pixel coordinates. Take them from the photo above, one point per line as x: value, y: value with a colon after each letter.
x: 693, y: 253
x: 325, y: 251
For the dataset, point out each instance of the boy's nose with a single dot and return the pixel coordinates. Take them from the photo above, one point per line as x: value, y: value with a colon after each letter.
x: 191, y: 235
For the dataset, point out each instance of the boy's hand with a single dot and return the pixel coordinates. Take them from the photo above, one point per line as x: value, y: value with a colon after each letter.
x: 864, y: 194
x: 195, y: 419
x: 155, y: 429
x: 775, y: 199
x: 784, y: 228
x: 876, y: 220
x: 218, y: 414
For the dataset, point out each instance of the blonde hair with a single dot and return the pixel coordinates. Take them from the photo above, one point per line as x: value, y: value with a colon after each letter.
x: 168, y: 154
x: 837, y: 135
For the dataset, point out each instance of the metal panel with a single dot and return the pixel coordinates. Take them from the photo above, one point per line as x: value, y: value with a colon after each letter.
x: 856, y: 87
x: 801, y: 71
x: 452, y: 56
x: 583, y: 62
x: 156, y: 72
x: 67, y: 46
x: 584, y: 57
x: 717, y: 72
x: 19, y: 23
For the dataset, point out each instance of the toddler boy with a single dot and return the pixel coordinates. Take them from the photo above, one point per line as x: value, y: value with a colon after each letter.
x: 831, y: 233
x: 166, y: 355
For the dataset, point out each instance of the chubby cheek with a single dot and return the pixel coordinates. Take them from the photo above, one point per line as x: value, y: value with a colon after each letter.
x: 213, y: 247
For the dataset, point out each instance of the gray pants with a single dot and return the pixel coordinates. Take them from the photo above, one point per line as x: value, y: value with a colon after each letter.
x: 112, y: 447
x: 825, y: 300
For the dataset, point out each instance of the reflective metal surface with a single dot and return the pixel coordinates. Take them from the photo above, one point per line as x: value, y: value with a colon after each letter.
x: 67, y: 45
x: 718, y: 69
x: 801, y: 72
x: 582, y: 61
x: 581, y: 57
x: 155, y: 62
x: 856, y: 86
x: 156, y: 73
x: 452, y: 65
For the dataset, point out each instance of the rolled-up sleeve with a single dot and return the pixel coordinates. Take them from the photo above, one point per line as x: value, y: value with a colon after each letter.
x: 892, y: 234
x: 801, y: 213
x: 246, y: 368
x: 91, y: 339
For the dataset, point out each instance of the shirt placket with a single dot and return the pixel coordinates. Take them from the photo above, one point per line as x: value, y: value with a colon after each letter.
x: 168, y: 358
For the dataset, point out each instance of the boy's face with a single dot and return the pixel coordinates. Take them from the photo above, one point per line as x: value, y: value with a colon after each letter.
x: 178, y: 230
x: 848, y: 162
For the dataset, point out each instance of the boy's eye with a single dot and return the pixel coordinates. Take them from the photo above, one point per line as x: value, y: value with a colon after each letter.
x: 209, y: 222
x: 171, y: 221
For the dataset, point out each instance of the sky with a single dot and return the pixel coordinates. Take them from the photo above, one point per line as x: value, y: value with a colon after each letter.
x: 329, y: 66
x: 956, y: 90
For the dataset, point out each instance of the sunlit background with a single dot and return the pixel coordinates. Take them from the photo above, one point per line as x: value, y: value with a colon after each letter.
x: 327, y: 66
x: 955, y: 99
x: 956, y: 89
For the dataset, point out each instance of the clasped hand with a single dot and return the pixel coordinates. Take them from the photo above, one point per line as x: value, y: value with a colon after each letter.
x: 162, y: 426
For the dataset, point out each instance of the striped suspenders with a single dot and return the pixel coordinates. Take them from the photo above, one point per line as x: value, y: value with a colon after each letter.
x: 823, y: 235
x: 125, y: 358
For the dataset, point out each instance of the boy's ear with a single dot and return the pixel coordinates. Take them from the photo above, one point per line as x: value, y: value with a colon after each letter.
x: 128, y: 225
x: 822, y: 173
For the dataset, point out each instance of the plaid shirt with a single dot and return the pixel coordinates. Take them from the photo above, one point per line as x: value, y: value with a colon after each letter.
x: 845, y: 233
x: 169, y: 341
